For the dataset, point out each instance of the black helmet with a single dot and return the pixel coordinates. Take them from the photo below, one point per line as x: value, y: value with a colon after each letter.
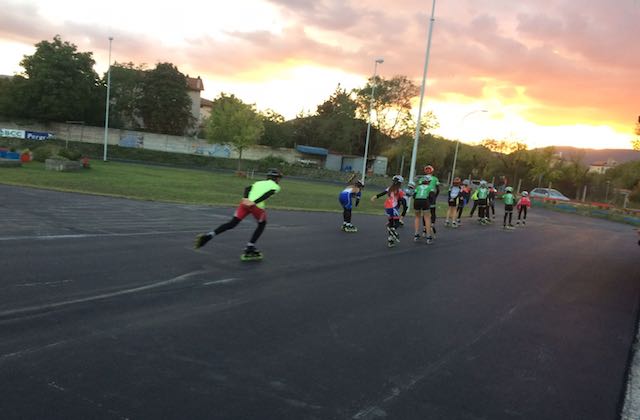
x: 360, y: 183
x: 274, y: 173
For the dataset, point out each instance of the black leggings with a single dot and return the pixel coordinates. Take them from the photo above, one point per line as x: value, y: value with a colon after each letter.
x: 234, y: 222
x: 460, y: 212
x: 346, y: 215
x: 403, y: 203
x: 523, y: 208
x: 510, y: 214
x: 393, y: 223
x: 473, y: 209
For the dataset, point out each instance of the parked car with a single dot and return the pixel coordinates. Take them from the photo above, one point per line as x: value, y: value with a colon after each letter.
x: 548, y: 194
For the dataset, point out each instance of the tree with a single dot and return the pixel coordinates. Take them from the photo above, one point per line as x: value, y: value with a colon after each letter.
x: 304, y: 129
x: 635, y: 143
x: 392, y: 105
x: 126, y: 87
x: 543, y: 166
x: 10, y: 104
x: 574, y: 173
x: 276, y: 132
x: 338, y: 128
x: 510, y: 153
x: 233, y: 122
x: 60, y: 84
x: 164, y: 103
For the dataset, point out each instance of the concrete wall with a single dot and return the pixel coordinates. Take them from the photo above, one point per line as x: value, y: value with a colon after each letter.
x: 188, y: 145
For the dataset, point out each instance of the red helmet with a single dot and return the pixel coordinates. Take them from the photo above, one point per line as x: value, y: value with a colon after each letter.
x: 428, y: 169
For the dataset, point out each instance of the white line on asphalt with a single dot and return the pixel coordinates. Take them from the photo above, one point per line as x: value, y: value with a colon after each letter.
x: 46, y: 283
x: 209, y: 283
x: 631, y: 407
x: 56, y: 305
x: 91, y: 235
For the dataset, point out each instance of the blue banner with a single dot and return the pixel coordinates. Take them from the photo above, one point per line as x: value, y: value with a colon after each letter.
x: 37, y: 135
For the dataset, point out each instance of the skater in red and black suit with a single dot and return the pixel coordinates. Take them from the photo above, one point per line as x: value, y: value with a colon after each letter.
x: 253, y: 204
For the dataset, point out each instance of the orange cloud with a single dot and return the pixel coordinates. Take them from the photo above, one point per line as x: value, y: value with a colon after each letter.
x: 556, y: 62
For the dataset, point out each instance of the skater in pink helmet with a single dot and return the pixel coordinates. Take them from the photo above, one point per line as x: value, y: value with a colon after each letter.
x: 523, y: 204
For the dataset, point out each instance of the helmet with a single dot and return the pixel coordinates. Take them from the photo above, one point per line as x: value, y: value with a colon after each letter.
x: 428, y: 169
x: 397, y: 179
x: 465, y: 182
x: 426, y: 179
x: 456, y: 181
x: 525, y: 193
x: 411, y: 185
x: 490, y: 185
x: 274, y: 173
x: 508, y: 189
x: 483, y: 183
x: 360, y: 183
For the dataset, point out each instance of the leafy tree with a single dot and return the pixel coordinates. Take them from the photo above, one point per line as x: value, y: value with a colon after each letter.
x: 510, y: 153
x: 543, y: 166
x: 126, y: 87
x: 573, y: 174
x: 635, y: 143
x: 304, y: 129
x: 233, y: 122
x: 60, y: 84
x: 338, y: 128
x: 9, y: 100
x: 392, y: 106
x: 164, y: 104
x: 627, y: 176
x: 276, y: 132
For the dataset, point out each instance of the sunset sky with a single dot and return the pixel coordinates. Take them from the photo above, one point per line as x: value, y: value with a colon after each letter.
x: 550, y: 72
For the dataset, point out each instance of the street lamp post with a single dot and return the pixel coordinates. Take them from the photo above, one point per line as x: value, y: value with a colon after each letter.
x: 455, y: 155
x: 106, y: 114
x: 414, y: 153
x: 366, y: 143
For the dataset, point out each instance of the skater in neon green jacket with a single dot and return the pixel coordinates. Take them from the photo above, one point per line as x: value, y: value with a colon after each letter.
x: 509, y: 200
x: 252, y: 203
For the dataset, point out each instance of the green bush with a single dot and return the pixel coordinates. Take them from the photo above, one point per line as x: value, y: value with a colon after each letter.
x: 268, y: 162
x: 58, y: 157
x: 44, y: 152
x: 70, y: 154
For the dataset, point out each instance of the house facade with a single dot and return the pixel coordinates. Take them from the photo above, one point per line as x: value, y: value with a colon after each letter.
x: 601, y: 166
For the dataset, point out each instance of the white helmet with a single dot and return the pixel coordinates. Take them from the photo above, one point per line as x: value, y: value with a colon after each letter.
x: 483, y: 183
x: 411, y: 184
x: 525, y: 193
x: 397, y: 179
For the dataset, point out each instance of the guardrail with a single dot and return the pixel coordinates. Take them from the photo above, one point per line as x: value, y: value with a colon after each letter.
x: 599, y: 210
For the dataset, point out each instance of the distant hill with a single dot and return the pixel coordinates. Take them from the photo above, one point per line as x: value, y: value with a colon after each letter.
x: 593, y: 155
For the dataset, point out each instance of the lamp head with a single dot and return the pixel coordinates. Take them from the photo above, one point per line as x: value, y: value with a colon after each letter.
x: 379, y: 60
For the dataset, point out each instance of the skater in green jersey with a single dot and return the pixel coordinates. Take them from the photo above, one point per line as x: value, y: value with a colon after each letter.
x: 253, y: 202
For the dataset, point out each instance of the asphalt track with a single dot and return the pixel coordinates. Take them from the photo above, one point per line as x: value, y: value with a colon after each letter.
x: 106, y: 312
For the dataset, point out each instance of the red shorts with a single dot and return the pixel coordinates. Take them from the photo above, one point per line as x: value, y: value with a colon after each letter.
x: 243, y: 211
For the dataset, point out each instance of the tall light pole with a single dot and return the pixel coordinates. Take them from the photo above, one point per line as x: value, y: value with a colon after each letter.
x: 412, y: 171
x: 455, y: 156
x: 106, y: 113
x: 379, y: 60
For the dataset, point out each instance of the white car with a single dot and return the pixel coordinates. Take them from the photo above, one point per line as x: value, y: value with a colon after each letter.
x: 548, y: 194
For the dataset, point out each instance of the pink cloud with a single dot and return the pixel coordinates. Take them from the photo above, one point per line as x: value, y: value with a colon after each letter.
x: 565, y: 54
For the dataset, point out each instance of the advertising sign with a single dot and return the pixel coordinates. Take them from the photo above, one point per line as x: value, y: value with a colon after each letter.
x: 10, y: 132
x: 37, y: 135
